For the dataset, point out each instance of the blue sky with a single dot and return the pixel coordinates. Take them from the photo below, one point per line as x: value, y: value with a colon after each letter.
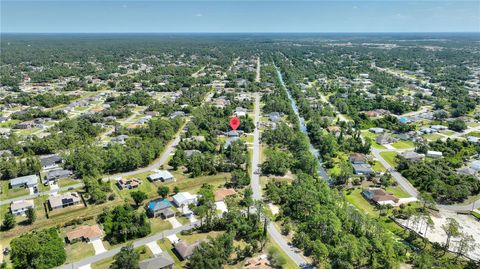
x: 73, y: 16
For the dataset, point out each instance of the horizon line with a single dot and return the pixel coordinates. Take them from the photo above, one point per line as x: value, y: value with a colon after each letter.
x: 299, y: 32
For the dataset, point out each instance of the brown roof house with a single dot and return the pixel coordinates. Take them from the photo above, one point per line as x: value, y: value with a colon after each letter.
x: 357, y: 158
x: 85, y: 233
x: 185, y: 250
x: 222, y: 193
x: 380, y: 197
x: 260, y: 262
x: 128, y: 184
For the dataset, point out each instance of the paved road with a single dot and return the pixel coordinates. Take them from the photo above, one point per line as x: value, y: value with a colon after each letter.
x: 403, y: 182
x: 31, y: 196
x: 257, y: 78
x: 137, y: 243
x: 257, y: 195
x: 411, y: 190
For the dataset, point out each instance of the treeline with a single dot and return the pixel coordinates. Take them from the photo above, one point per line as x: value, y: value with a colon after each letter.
x: 44, y: 100
x: 145, y: 145
x: 329, y: 230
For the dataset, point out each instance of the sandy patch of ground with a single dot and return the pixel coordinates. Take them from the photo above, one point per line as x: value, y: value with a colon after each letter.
x: 467, y: 223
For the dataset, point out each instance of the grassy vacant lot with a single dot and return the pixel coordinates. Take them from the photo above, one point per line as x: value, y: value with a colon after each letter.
x: 476, y: 134
x: 432, y: 137
x: 78, y: 251
x: 378, y: 167
x: 402, y: 144
x: 159, y: 225
x: 390, y: 157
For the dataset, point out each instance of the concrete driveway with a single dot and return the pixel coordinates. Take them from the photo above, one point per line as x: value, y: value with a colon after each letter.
x: 98, y: 246
x: 174, y: 222
x: 173, y: 238
x: 154, y: 247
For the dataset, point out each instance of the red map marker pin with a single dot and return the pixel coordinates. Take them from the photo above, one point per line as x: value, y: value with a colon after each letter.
x: 234, y: 123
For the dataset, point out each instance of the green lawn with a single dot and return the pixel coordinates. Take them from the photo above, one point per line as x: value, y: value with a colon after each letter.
x: 377, y: 146
x: 8, y: 193
x: 432, y: 137
x: 447, y: 132
x: 273, y: 247
x: 78, y: 251
x: 103, y: 264
x: 9, y: 124
x: 398, y: 191
x: 65, y: 182
x: 355, y: 198
x: 476, y: 134
x: 159, y: 225
x: 378, y: 167
x: 473, y: 124
x: 402, y: 144
x: 390, y: 157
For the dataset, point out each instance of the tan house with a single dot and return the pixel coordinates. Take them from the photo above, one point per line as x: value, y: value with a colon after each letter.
x: 85, y: 233
x: 64, y: 200
x: 222, y: 193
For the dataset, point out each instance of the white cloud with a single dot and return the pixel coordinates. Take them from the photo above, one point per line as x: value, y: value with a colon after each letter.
x: 199, y: 15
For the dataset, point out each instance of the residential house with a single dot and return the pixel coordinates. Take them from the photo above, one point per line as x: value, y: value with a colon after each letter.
x: 190, y: 152
x: 220, y: 194
x: 362, y: 169
x: 434, y: 154
x: 27, y: 125
x: 158, y: 261
x: 241, y: 112
x: 260, y: 262
x: 161, y: 175
x: 50, y: 161
x: 64, y: 200
x: 380, y: 197
x: 20, y: 207
x: 185, y: 250
x: 160, y: 208
x: 275, y: 116
x: 384, y: 139
x: 119, y: 139
x: 54, y: 175
x: 412, y: 156
x: 177, y: 114
x: 24, y: 182
x: 475, y: 165
x: 357, y: 158
x: 376, y: 130
x: 84, y: 233
x: 467, y: 171
x: 184, y: 199
x: 130, y: 183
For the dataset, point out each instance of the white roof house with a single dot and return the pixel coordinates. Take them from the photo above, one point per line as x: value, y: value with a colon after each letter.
x: 20, y: 207
x: 25, y: 181
x: 475, y: 165
x: 184, y: 198
x: 162, y: 175
x: 434, y: 154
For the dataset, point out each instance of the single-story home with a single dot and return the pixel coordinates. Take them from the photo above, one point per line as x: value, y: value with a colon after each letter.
x: 184, y: 198
x: 24, y: 182
x: 222, y: 193
x: 275, y: 116
x: 434, y: 154
x: 385, y: 139
x: 362, y: 169
x: 84, y: 233
x: 412, y: 156
x: 159, y: 207
x: 128, y: 184
x: 467, y: 171
x: 50, y: 161
x: 57, y: 174
x: 190, y: 152
x: 21, y: 207
x: 475, y: 165
x: 376, y: 130
x: 64, y: 200
x: 380, y: 197
x: 159, y: 261
x: 259, y: 262
x: 185, y: 250
x: 357, y: 158
x: 162, y: 175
